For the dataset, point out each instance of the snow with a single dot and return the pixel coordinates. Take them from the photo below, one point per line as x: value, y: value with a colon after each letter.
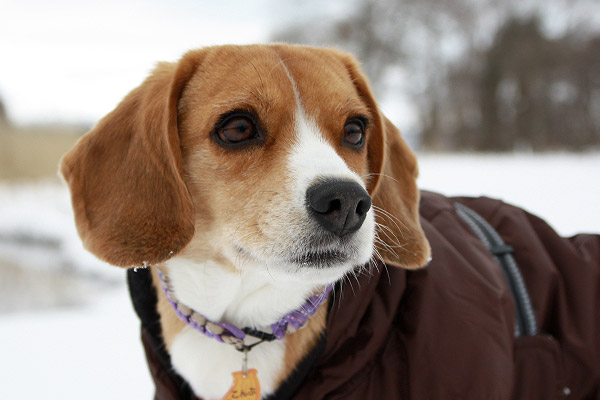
x: 91, y: 352
x: 41, y: 213
x: 562, y: 188
x: 67, y: 327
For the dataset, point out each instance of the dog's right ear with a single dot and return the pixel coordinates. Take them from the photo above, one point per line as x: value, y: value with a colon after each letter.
x: 129, y: 196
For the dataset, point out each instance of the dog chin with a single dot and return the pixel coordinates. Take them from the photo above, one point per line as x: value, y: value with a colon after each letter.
x: 317, y: 275
x: 314, y: 268
x: 318, y: 260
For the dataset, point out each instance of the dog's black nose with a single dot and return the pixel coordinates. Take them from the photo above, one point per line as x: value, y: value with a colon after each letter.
x: 338, y: 206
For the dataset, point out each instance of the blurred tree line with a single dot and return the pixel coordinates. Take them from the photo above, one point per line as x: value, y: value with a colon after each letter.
x: 485, y: 75
x: 3, y: 116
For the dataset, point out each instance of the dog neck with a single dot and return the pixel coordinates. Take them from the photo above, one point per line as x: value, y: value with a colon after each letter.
x: 247, y: 297
x: 235, y: 336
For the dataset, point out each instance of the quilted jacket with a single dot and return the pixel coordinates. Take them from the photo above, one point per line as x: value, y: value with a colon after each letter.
x: 446, y: 331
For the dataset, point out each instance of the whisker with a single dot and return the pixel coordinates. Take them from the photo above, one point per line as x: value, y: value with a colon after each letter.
x: 350, y: 283
x: 378, y: 254
x: 383, y: 175
x: 373, y: 265
x: 386, y: 245
x: 392, y: 217
x: 390, y: 249
x: 341, y: 281
x: 387, y: 232
x: 356, y: 278
x: 388, y: 274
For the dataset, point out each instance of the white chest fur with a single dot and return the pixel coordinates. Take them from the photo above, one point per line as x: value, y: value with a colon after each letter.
x: 208, y: 365
x: 243, y: 299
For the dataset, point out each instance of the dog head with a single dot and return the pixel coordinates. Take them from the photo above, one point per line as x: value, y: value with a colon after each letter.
x: 253, y: 156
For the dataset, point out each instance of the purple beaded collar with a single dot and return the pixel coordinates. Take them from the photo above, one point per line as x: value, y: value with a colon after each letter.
x: 230, y: 334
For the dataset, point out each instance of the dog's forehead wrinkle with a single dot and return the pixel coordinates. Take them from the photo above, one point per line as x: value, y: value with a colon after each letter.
x: 230, y: 102
x: 256, y: 100
x: 260, y: 78
x: 258, y: 94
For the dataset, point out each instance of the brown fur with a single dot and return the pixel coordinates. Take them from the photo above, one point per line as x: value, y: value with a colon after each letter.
x: 130, y: 201
x: 300, y: 343
x: 170, y: 323
x: 149, y: 182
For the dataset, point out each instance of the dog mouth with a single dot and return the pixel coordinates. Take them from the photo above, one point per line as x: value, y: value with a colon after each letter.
x: 314, y: 258
x: 323, y: 258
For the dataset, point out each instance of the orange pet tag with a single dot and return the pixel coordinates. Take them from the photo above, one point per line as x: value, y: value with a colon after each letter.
x: 244, y: 387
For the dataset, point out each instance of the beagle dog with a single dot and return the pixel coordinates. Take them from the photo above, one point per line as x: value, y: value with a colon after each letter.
x: 248, y: 179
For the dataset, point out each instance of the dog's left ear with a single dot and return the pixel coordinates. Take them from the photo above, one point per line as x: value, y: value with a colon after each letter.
x: 129, y: 196
x: 401, y: 240
x: 392, y: 185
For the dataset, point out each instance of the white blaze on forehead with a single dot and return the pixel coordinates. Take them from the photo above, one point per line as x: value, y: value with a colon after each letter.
x: 312, y: 157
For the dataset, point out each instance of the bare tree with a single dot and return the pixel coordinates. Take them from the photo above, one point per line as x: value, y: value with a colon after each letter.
x: 478, y: 81
x: 525, y: 91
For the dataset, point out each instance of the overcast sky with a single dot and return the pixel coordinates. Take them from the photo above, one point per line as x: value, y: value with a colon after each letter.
x: 72, y: 61
x: 68, y: 61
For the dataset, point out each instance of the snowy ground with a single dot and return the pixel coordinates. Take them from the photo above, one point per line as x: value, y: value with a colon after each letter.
x: 67, y: 329
x: 87, y: 352
x: 564, y: 189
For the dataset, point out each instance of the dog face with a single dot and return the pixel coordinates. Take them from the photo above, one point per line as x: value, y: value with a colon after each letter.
x: 249, y: 156
x: 278, y: 164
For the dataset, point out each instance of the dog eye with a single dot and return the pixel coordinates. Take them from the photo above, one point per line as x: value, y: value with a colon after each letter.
x: 354, y: 133
x: 236, y: 129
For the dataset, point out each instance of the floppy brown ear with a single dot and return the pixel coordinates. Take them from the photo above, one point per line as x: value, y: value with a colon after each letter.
x: 401, y: 240
x: 129, y: 196
x: 392, y: 185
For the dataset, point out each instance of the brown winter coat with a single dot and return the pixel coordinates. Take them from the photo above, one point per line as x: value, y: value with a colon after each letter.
x: 447, y: 331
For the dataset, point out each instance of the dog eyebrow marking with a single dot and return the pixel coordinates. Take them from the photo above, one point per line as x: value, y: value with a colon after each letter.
x: 303, y: 123
x: 294, y: 86
x: 242, y: 102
